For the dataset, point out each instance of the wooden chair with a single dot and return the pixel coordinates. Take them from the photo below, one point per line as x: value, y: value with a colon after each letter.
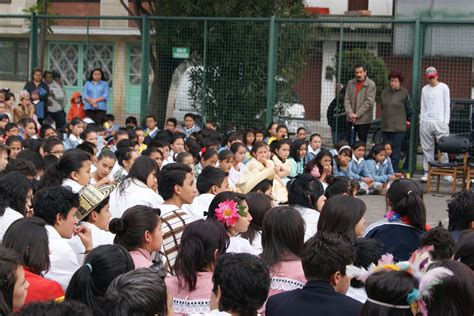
x: 454, y: 145
x: 469, y: 175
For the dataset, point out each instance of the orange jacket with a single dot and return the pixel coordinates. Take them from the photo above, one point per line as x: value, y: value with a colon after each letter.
x: 75, y: 110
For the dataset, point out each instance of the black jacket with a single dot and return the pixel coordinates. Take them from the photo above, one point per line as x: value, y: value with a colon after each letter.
x: 315, y: 298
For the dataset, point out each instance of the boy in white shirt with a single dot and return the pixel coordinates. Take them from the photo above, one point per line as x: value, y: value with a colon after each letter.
x: 435, y: 112
x: 57, y: 206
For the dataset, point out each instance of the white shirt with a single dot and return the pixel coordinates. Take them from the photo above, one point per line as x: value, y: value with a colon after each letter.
x: 311, y: 218
x: 63, y: 259
x: 357, y: 294
x: 168, y: 208
x: 435, y: 103
x: 100, y: 237
x: 199, y: 206
x: 257, y: 242
x: 234, y: 175
x: 238, y: 244
x: 7, y: 219
x: 75, y: 187
x: 135, y: 193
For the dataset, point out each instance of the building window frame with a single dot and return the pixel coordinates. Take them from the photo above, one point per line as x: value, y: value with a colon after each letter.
x: 14, y: 45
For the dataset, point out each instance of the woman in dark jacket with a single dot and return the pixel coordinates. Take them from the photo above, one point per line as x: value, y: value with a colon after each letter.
x: 39, y: 93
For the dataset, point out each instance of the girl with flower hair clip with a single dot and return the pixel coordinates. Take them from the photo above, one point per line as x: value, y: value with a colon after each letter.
x: 231, y: 210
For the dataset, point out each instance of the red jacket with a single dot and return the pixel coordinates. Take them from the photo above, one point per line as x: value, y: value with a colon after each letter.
x: 42, y: 289
x: 75, y: 110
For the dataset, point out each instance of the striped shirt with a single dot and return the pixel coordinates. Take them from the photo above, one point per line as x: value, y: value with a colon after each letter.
x: 172, y: 225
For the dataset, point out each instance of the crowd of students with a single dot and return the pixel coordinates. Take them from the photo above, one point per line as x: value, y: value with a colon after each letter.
x: 100, y: 219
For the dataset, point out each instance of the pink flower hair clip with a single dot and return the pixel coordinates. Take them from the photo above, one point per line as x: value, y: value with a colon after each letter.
x: 228, y: 212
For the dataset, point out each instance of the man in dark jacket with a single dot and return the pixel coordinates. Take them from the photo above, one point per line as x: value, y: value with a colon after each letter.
x: 324, y: 260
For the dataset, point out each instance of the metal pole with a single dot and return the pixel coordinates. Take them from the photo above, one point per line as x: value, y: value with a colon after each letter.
x: 145, y: 62
x: 204, y: 74
x: 339, y: 71
x: 415, y: 90
x: 271, y: 72
x: 34, y: 42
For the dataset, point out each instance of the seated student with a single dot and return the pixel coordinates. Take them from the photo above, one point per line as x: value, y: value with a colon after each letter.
x: 202, y: 243
x: 340, y: 186
x: 15, y: 145
x: 241, y: 283
x: 90, y: 282
x: 177, y: 146
x: 29, y: 128
x: 461, y: 213
x: 53, y: 146
x: 283, y: 246
x: 208, y: 157
x: 110, y: 126
x: 464, y: 249
x: 185, y: 158
x: 441, y: 240
x: 189, y: 125
x: 401, y: 229
x: 164, y: 146
x: 210, y: 182
x: 177, y: 187
x: 368, y: 251
x: 451, y: 293
x: 155, y: 154
x: 324, y: 260
x: 259, y: 204
x: 14, y: 284
x: 118, y: 136
x: 74, y: 138
x: 390, y: 292
x: 47, y: 131
x: 388, y: 146
x: 226, y: 160
x: 380, y: 169
x: 28, y: 237
x: 321, y: 167
x: 57, y: 206
x: 11, y: 129
x: 90, y: 135
x: 315, y: 144
x: 16, y: 192
x: 358, y: 169
x: 72, y: 170
x: 342, y: 160
x: 306, y: 195
x: 23, y: 166
x: 298, y: 150
x: 126, y: 156
x: 138, y: 188
x: 171, y: 124
x: 281, y: 152
x: 131, y: 121
x: 121, y: 297
x: 238, y: 168
x: 151, y: 128
x: 139, y: 231
x: 105, y: 163
x: 343, y: 215
x: 141, y: 139
x: 4, y: 153
x: 36, y: 159
x: 77, y: 107
x: 231, y: 209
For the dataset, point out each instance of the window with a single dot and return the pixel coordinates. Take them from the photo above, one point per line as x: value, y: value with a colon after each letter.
x: 355, y: 5
x: 14, y: 65
x: 135, y: 65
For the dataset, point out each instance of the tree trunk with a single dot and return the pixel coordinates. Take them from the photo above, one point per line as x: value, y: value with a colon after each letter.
x: 43, y: 24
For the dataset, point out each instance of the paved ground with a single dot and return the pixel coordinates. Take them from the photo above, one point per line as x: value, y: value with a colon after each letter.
x: 435, y: 206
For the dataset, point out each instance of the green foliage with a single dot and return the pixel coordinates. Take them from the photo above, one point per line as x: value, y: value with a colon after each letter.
x: 376, y: 68
x: 37, y: 8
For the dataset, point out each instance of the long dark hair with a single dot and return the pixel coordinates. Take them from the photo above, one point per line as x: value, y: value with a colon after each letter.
x: 140, y: 170
x: 130, y: 229
x: 28, y: 237
x: 406, y: 197
x: 221, y: 197
x: 14, y: 188
x: 259, y: 204
x: 90, y: 282
x: 282, y: 235
x: 199, y: 242
x: 304, y: 190
x: 102, y: 76
x: 9, y: 262
x: 316, y: 161
x: 295, y: 149
x: 340, y: 214
x: 72, y: 160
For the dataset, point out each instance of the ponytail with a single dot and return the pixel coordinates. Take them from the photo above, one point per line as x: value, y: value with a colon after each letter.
x: 406, y: 197
x: 199, y: 243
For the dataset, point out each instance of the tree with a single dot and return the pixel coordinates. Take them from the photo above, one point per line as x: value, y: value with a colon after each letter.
x: 236, y: 65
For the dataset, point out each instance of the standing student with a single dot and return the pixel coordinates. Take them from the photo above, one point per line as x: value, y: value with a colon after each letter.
x: 231, y: 210
x: 202, y: 243
x: 298, y: 150
x: 14, y: 285
x: 76, y: 108
x: 57, y: 206
x: 324, y: 260
x: 435, y: 111
x: 139, y: 231
x: 359, y: 102
x: 28, y: 237
x: 210, y: 182
x: 401, y: 229
x: 96, y: 96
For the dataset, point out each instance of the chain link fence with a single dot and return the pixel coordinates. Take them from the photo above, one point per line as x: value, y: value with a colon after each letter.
x: 245, y: 72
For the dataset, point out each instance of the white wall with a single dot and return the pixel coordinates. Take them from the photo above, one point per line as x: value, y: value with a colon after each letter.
x: 328, y: 87
x: 381, y: 7
x: 338, y: 7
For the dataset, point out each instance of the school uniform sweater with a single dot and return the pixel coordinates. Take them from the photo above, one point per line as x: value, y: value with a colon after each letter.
x: 358, y: 169
x: 380, y: 172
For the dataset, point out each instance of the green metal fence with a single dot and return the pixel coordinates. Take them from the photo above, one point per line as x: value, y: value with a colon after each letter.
x: 243, y: 71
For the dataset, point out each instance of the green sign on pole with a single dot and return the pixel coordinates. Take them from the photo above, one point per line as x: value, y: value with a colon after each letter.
x: 181, y: 52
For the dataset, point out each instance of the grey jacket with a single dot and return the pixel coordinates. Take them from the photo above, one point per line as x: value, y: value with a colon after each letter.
x: 362, y: 104
x: 394, y: 110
